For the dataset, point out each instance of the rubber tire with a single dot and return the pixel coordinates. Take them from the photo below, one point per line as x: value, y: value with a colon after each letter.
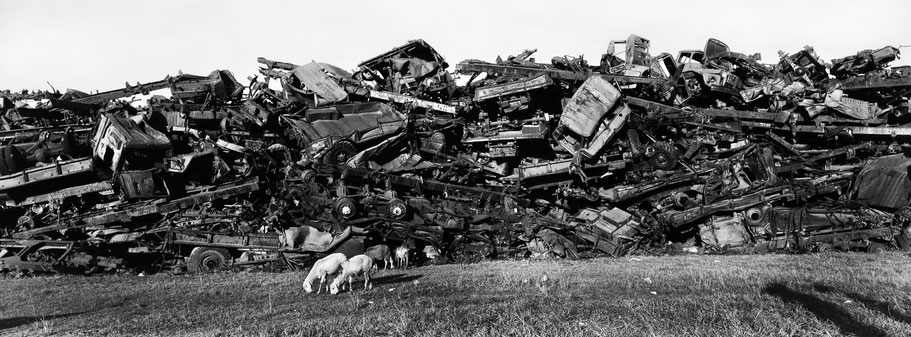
x: 12, y: 160
x: 397, y: 209
x: 308, y: 175
x: 340, y: 153
x: 665, y: 157
x: 27, y: 222
x: 346, y: 208
x: 824, y: 248
x: 877, y: 248
x: 208, y: 260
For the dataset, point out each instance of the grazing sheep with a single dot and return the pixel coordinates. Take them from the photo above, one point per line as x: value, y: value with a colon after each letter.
x: 380, y: 253
x: 357, y: 265
x: 401, y: 256
x: 323, y: 267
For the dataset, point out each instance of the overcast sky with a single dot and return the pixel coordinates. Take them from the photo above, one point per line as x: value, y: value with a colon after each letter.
x: 100, y: 44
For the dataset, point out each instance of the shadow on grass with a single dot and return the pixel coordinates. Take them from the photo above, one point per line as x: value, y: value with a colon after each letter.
x: 823, y: 310
x: 884, y: 308
x: 392, y: 279
x: 7, y: 323
x: 395, y: 278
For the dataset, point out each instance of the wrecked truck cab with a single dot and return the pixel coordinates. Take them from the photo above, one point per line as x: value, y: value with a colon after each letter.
x: 700, y: 80
x: 636, y: 59
x: 690, y: 57
x: 804, y: 65
x: 133, y: 153
x: 414, y: 66
x: 220, y: 85
x: 123, y: 144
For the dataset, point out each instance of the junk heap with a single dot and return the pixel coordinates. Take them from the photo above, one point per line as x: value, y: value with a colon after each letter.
x: 709, y: 151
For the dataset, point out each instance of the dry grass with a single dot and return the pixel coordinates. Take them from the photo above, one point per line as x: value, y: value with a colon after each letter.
x: 769, y: 295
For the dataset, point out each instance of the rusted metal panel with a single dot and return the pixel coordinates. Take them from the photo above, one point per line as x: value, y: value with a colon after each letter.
x: 403, y: 99
x: 607, y: 131
x: 554, y: 74
x: 533, y: 82
x: 875, y: 83
x: 96, y: 187
x: 591, y: 102
x: 723, y: 232
x: 57, y: 170
x: 313, y: 77
x: 125, y: 92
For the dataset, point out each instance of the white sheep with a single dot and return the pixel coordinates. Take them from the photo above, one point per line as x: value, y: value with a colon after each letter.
x: 357, y: 265
x: 323, y: 267
x: 401, y: 256
x: 431, y: 252
x: 380, y: 253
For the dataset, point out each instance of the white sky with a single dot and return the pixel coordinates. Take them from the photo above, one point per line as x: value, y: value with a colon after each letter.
x: 100, y: 44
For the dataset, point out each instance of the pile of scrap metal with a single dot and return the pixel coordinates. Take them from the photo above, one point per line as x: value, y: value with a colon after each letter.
x: 708, y: 151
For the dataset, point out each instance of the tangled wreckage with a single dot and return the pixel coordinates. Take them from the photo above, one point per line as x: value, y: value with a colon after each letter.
x: 709, y: 151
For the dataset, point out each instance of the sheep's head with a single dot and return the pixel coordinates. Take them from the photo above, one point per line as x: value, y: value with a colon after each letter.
x: 431, y: 252
x: 333, y: 288
x: 308, y: 287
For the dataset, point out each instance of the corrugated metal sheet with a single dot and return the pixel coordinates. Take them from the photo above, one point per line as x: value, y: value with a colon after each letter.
x: 884, y: 182
x: 312, y: 76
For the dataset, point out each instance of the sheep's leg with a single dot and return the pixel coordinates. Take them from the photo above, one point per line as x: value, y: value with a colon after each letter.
x: 366, y: 280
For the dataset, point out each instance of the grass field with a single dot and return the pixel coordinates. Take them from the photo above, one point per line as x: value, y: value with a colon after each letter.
x: 768, y: 295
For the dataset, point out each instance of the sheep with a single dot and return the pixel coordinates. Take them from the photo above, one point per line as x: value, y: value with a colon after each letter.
x: 431, y: 252
x: 401, y: 256
x: 357, y: 265
x: 380, y: 253
x: 323, y: 267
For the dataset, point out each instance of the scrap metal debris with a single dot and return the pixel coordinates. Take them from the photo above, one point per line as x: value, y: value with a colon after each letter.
x: 710, y: 151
